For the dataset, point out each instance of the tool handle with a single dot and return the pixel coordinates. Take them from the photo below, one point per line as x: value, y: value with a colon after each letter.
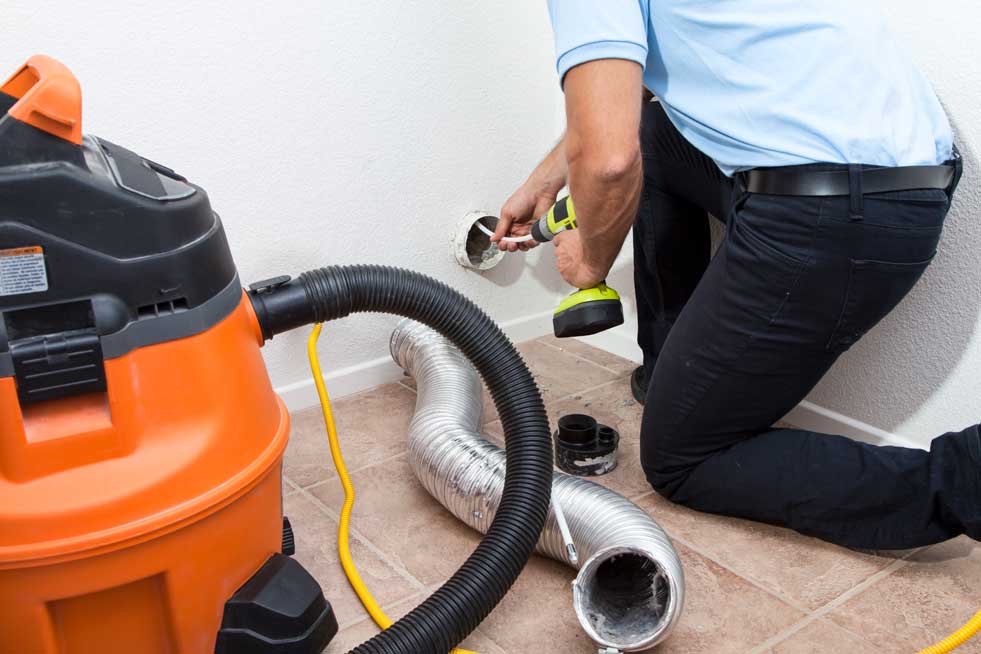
x: 49, y: 98
x: 560, y: 217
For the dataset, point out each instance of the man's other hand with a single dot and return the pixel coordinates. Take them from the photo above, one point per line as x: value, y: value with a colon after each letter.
x: 571, y: 263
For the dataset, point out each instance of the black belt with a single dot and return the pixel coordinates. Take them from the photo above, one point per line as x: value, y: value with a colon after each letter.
x: 792, y: 180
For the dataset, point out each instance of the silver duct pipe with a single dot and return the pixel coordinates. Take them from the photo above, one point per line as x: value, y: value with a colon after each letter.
x: 630, y: 588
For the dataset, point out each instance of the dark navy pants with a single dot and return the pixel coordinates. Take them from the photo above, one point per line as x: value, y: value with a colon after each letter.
x: 735, y: 340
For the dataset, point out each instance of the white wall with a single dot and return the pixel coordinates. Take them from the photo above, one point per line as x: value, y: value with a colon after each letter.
x: 325, y: 132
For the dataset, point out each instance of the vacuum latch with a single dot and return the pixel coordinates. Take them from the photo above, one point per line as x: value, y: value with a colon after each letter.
x: 59, y: 365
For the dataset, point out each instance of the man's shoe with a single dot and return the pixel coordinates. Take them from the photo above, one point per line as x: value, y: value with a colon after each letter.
x: 638, y: 384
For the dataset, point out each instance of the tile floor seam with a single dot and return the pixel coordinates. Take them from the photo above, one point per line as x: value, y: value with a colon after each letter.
x: 422, y: 597
x: 572, y: 396
x: 785, y: 634
x: 577, y: 356
x: 874, y: 578
x: 789, y: 601
x: 637, y: 498
x: 864, y: 585
x: 860, y: 588
x: 364, y: 540
x: 388, y: 606
x: 322, y: 482
x: 830, y: 606
x: 487, y: 636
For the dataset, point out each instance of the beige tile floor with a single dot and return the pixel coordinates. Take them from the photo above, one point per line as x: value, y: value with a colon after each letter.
x: 750, y: 588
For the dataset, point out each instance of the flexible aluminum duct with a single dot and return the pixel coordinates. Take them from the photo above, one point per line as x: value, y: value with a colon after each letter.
x: 630, y: 588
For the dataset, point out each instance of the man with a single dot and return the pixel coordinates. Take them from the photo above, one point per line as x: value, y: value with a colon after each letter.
x: 805, y: 128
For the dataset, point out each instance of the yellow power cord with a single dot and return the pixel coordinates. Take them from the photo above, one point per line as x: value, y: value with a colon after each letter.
x: 957, y: 638
x: 343, y: 530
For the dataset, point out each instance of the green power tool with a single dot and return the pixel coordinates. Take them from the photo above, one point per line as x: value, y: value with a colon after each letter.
x: 588, y: 310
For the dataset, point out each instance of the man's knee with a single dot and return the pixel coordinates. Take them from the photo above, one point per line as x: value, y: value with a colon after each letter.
x: 664, y: 465
x: 666, y: 480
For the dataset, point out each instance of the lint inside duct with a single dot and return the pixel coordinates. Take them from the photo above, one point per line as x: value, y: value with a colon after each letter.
x: 624, y: 597
x: 471, y: 246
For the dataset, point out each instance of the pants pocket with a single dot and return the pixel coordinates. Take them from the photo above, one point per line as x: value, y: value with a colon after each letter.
x: 874, y: 289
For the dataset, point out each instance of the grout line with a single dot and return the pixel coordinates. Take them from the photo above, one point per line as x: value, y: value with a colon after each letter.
x: 861, y: 587
x: 487, y: 636
x: 574, y: 395
x: 571, y: 396
x: 322, y: 482
x: 395, y: 565
x: 783, y: 635
x: 342, y: 626
x: 419, y: 597
x: 789, y: 601
x: 386, y: 609
x: 637, y: 498
x: 855, y: 590
x: 576, y: 356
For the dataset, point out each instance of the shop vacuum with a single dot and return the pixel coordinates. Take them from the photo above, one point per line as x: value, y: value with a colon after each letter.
x: 140, y: 439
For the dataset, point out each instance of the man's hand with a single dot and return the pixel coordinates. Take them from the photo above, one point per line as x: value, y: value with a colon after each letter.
x: 535, y: 197
x: 518, y: 214
x: 571, y: 263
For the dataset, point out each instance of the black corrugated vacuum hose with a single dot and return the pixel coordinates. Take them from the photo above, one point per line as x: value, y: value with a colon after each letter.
x: 454, y: 611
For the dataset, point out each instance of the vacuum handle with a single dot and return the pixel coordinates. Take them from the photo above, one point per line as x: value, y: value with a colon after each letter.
x: 50, y: 98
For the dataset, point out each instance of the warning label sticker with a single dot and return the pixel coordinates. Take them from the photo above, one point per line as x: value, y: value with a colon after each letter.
x: 22, y: 271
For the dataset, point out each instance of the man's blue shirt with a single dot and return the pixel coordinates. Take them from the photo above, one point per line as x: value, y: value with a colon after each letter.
x: 755, y: 83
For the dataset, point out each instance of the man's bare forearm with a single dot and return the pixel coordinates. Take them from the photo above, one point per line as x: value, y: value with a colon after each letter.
x: 552, y: 174
x: 603, y: 103
x: 606, y: 203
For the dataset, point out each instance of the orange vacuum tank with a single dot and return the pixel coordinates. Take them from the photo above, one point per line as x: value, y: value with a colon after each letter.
x: 140, y: 439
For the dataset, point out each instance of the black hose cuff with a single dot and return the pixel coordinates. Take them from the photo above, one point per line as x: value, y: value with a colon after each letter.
x: 454, y: 611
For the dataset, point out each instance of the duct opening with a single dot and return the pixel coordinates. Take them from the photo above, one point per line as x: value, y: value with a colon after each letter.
x: 623, y: 598
x: 472, y: 247
x: 479, y: 246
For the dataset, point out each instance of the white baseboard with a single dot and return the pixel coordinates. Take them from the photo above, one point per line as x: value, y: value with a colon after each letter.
x: 808, y: 415
x: 362, y: 376
x: 616, y: 341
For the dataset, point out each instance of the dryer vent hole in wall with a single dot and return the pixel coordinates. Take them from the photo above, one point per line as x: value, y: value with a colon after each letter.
x: 479, y: 246
x: 471, y: 244
x: 628, y: 596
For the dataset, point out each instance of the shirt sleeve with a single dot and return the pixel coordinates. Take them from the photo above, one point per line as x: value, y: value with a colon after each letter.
x: 587, y: 30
